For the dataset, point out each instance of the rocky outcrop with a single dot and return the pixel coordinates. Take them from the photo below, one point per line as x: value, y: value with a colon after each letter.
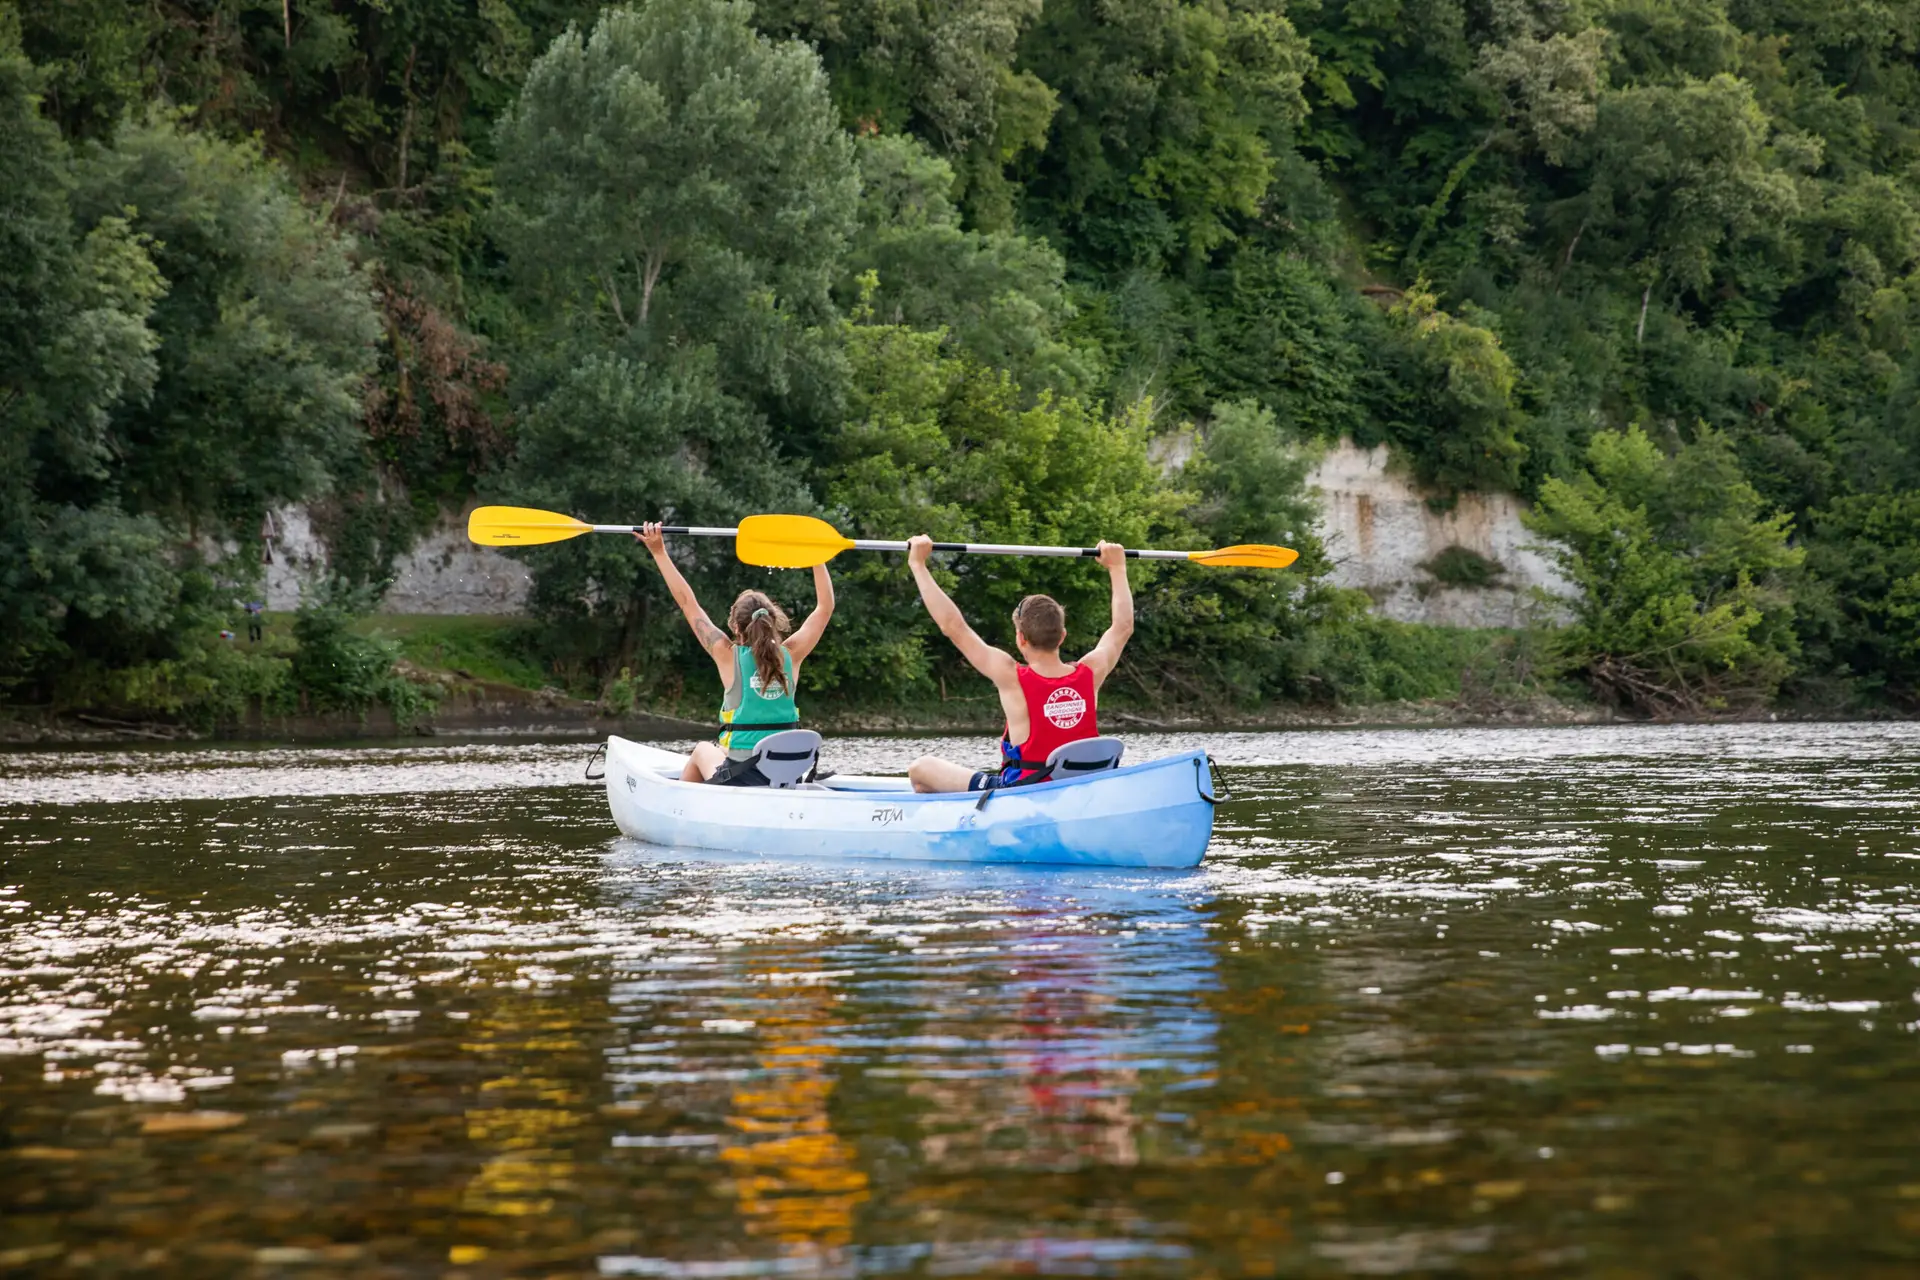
x: 445, y: 573
x: 442, y: 574
x: 1467, y: 563
x: 296, y: 557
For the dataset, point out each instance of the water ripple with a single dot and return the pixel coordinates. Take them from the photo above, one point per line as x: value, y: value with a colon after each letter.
x: 1463, y: 1000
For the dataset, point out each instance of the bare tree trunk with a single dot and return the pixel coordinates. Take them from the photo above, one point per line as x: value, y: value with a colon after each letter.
x: 406, y: 122
x: 1566, y: 259
x: 1640, y: 331
x: 613, y: 296
x: 631, y: 627
x: 286, y: 20
x: 650, y: 276
x: 339, y: 194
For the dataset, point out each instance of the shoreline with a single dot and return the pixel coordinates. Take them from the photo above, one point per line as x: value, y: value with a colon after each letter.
x: 552, y: 716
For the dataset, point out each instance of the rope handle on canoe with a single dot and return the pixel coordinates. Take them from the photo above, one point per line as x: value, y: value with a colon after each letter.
x: 1215, y: 775
x: 599, y: 757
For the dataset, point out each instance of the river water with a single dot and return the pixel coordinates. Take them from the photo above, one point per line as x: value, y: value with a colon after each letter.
x: 1596, y: 1001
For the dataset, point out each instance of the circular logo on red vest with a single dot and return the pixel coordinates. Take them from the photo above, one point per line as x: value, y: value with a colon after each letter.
x: 1064, y: 708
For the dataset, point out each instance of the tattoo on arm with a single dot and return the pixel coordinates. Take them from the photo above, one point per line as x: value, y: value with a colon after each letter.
x: 707, y: 634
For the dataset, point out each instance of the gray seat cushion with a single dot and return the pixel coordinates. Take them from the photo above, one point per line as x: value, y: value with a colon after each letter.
x: 786, y: 758
x: 1084, y: 756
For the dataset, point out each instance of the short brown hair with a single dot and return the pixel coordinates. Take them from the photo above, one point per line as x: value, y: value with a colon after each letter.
x: 1042, y: 621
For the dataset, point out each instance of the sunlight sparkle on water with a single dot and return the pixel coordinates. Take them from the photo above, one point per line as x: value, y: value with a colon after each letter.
x: 1475, y: 1000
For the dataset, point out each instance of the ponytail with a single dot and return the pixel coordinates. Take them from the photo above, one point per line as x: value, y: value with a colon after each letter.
x: 760, y: 623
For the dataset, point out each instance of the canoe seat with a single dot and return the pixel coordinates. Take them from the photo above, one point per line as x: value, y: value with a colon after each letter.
x: 786, y: 758
x: 1085, y: 756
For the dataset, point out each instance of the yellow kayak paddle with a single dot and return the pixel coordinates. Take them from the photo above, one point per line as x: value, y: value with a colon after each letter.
x: 800, y: 542
x: 527, y: 527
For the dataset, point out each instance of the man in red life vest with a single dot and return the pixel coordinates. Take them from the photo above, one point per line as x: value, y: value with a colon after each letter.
x: 1048, y: 702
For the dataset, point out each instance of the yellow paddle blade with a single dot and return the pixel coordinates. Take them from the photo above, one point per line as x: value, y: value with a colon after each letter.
x: 1252, y: 555
x: 521, y: 527
x: 788, y: 542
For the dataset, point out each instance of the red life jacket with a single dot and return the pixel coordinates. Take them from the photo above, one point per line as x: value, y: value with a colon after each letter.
x: 1058, y: 712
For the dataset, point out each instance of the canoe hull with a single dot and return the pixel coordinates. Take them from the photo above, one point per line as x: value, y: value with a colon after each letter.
x: 1156, y: 814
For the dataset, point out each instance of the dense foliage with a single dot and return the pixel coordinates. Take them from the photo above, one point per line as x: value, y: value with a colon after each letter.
x: 1685, y: 582
x: 985, y: 268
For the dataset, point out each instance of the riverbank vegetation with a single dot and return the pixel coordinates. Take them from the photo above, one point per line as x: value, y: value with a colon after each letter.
x: 984, y: 270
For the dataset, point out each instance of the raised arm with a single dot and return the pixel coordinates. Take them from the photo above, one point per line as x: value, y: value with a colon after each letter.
x: 1106, y: 655
x: 715, y: 641
x: 802, y: 641
x: 996, y: 665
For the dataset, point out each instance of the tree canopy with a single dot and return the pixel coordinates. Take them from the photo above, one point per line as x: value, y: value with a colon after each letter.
x: 1109, y: 268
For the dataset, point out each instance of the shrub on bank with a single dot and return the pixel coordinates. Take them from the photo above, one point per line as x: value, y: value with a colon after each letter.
x: 214, y: 680
x: 335, y: 668
x: 209, y: 684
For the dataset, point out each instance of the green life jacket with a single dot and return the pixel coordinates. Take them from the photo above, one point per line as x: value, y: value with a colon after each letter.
x: 747, y: 704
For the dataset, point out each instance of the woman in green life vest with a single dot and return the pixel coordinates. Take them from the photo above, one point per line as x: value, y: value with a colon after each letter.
x: 757, y: 668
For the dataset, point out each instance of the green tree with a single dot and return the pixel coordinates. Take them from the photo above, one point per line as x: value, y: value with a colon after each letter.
x: 184, y: 345
x: 266, y: 332
x: 939, y: 70
x: 1683, y: 173
x: 1453, y: 403
x: 1277, y: 329
x: 1664, y: 41
x: 1233, y: 635
x: 74, y: 346
x: 938, y: 443
x: 1002, y: 298
x: 91, y: 55
x: 675, y: 198
x: 1864, y: 551
x: 932, y: 67
x: 622, y: 441
x: 1685, y: 579
x: 1170, y: 114
x: 676, y: 174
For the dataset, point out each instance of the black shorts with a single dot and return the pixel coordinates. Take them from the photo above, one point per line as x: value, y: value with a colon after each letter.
x: 738, y: 773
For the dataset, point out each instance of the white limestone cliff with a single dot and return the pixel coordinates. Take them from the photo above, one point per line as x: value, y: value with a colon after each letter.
x: 1382, y: 533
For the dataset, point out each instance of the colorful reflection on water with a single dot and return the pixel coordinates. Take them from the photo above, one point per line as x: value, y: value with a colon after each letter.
x: 1584, y: 1002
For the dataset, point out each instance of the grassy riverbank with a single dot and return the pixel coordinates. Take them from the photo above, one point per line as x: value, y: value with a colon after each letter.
x: 386, y: 674
x: 1405, y: 662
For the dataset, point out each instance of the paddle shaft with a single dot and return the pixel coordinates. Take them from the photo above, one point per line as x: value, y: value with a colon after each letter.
x: 692, y: 531
x: 1014, y: 549
x: 875, y: 544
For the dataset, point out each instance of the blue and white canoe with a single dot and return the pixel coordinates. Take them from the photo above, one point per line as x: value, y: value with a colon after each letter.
x: 1157, y: 814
